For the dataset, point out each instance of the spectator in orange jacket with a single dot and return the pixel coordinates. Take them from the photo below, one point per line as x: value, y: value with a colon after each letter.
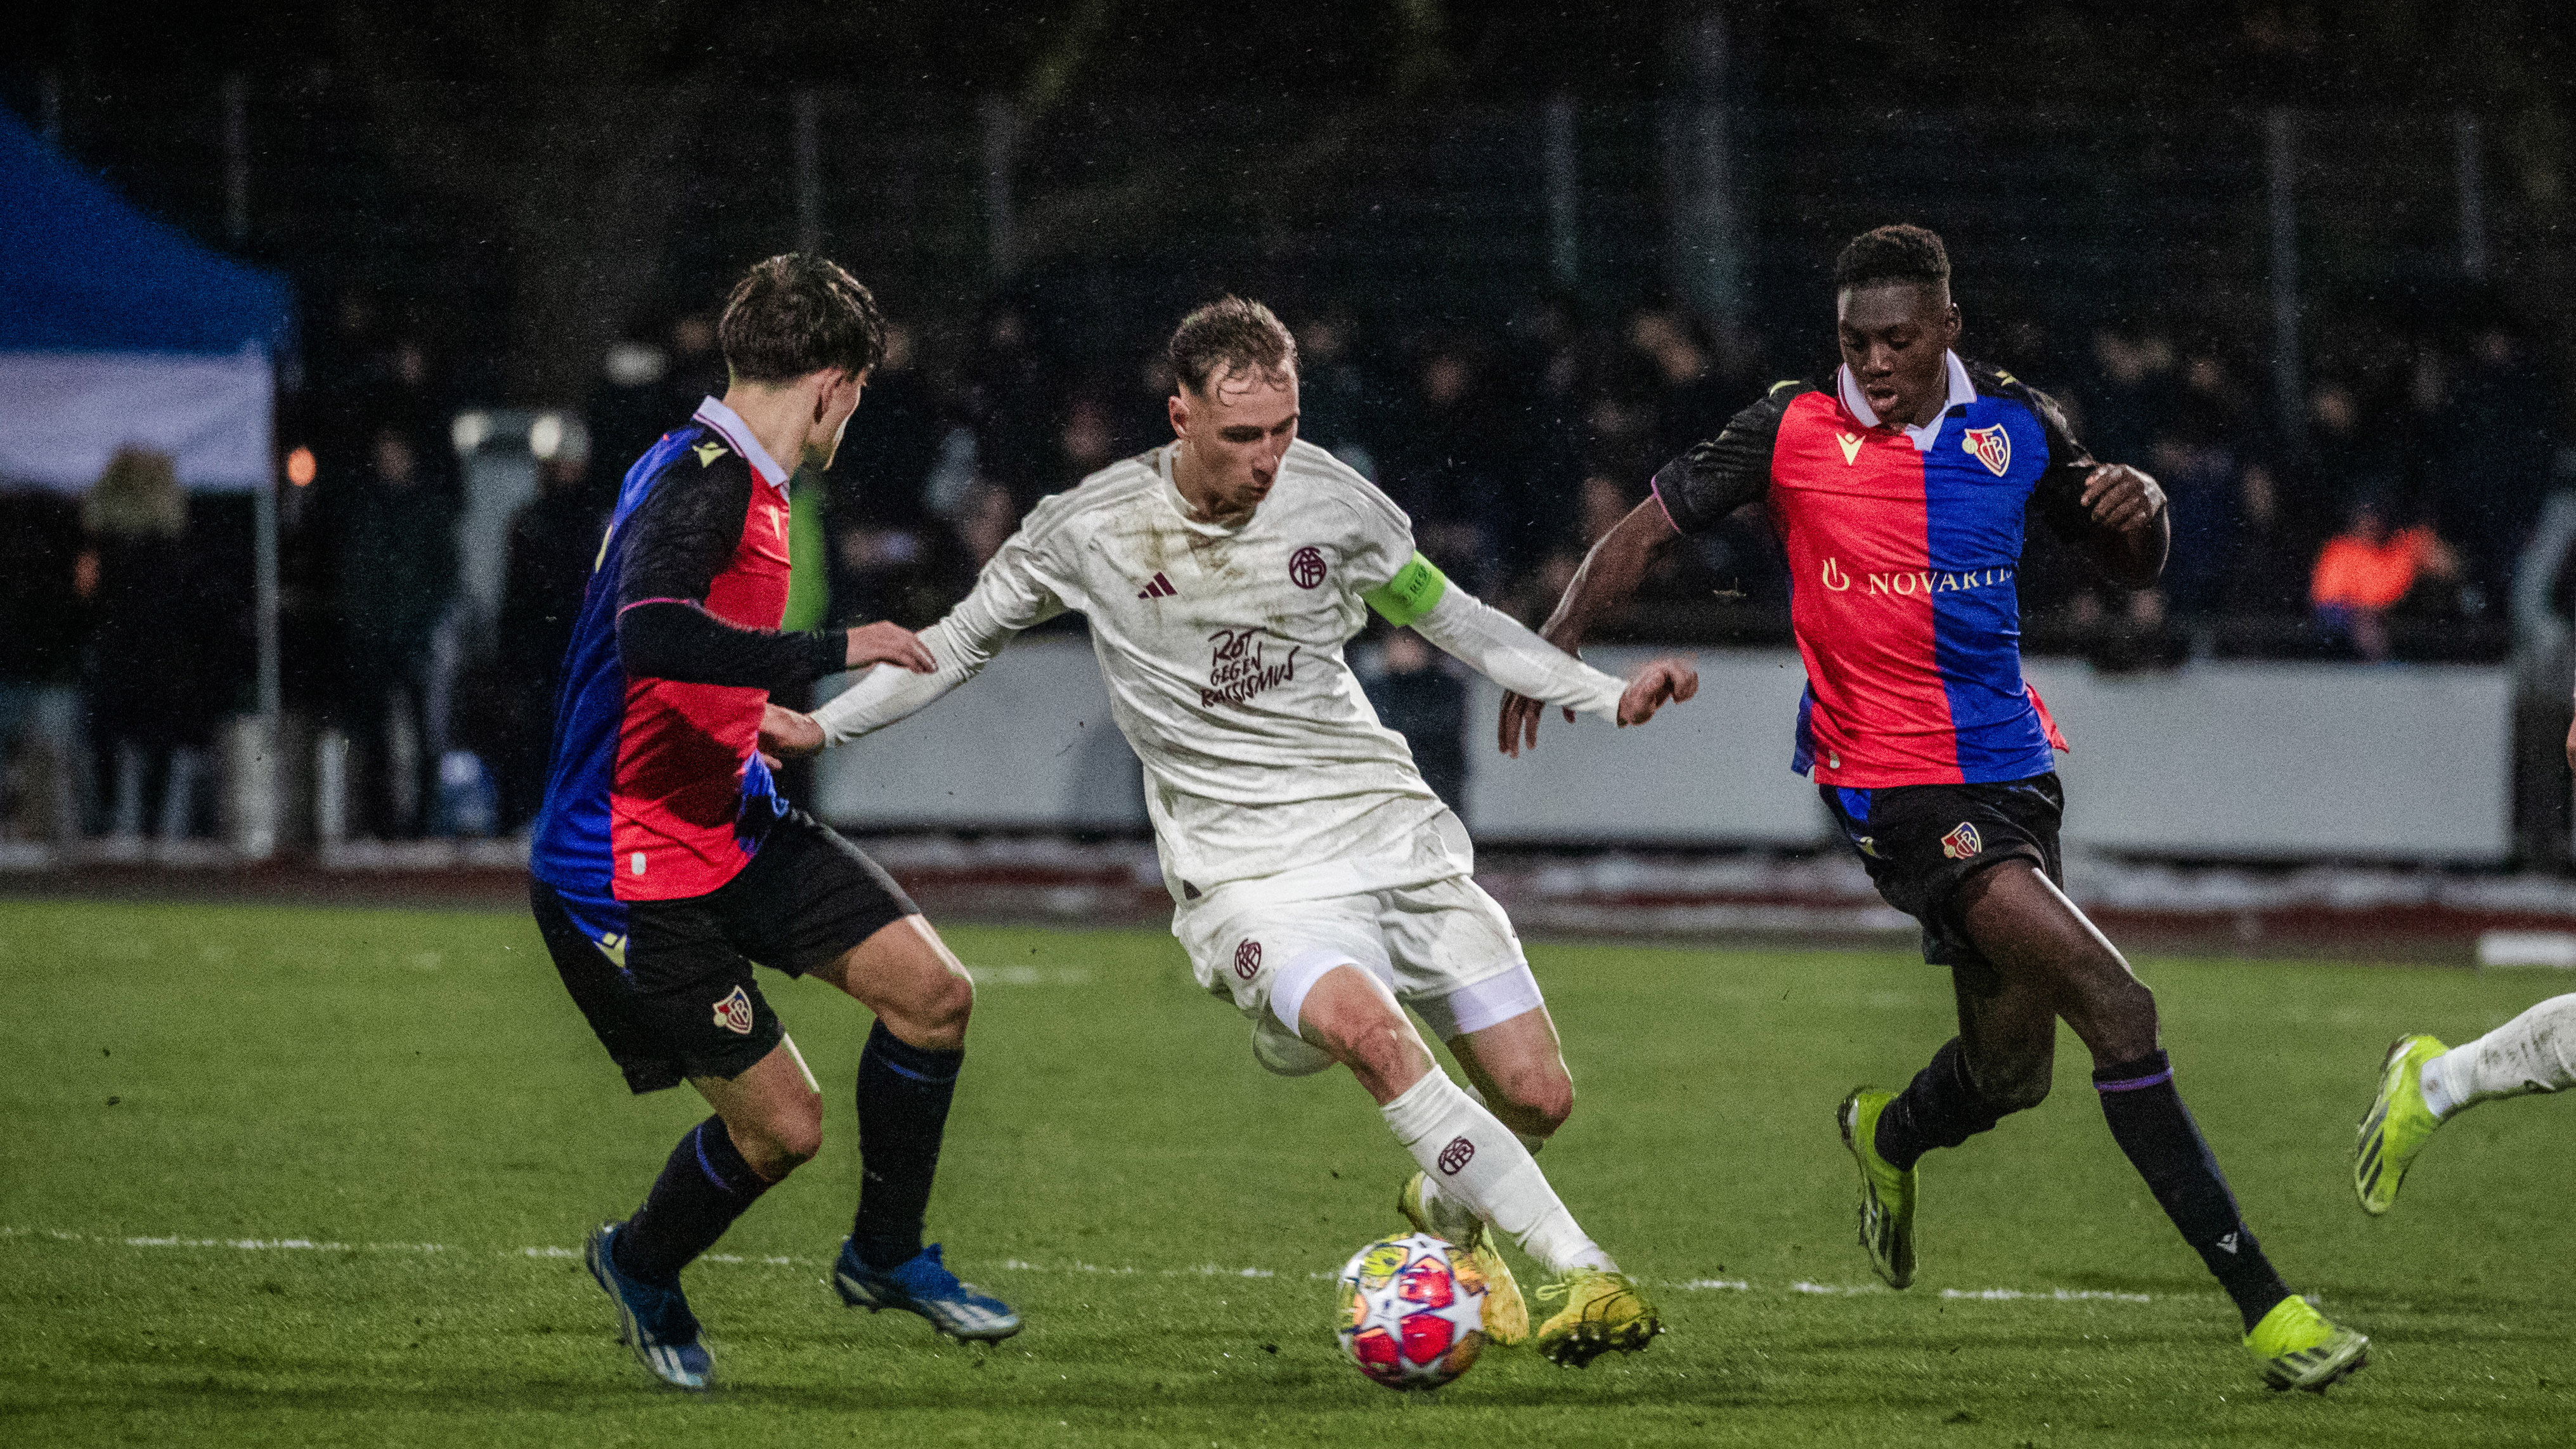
x: 2366, y: 571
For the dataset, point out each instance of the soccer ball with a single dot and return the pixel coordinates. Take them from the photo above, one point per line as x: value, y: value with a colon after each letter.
x: 1412, y: 1312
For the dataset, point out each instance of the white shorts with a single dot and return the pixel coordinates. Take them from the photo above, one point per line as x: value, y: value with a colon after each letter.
x: 1444, y: 948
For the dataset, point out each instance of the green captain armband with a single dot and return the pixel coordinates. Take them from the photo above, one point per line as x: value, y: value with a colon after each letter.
x: 1415, y: 591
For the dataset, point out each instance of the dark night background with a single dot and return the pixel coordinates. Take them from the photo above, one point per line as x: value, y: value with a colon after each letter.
x: 2294, y: 258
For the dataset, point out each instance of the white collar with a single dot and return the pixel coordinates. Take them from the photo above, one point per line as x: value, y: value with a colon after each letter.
x: 1963, y: 391
x: 737, y: 432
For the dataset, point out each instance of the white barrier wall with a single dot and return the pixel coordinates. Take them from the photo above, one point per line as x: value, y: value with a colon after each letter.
x: 2256, y: 760
x: 2217, y: 760
x: 1028, y: 742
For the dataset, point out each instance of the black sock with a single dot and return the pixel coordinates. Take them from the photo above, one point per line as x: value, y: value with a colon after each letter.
x: 903, y: 1112
x: 703, y: 1187
x: 1939, y: 1108
x: 2155, y: 1129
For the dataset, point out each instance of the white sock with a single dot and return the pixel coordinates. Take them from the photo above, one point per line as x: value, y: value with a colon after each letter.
x: 1450, y: 1216
x: 2534, y: 1052
x: 1478, y: 1161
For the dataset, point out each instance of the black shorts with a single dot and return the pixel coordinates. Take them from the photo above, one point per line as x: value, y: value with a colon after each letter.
x: 682, y: 1003
x: 1921, y: 842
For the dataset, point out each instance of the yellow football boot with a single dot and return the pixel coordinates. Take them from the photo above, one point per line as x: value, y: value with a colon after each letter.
x: 2301, y: 1348
x: 1602, y: 1311
x: 2397, y: 1125
x: 1506, y: 1313
x: 1886, y: 1192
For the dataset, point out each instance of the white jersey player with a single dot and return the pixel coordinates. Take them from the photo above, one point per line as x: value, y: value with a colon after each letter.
x: 1317, y: 881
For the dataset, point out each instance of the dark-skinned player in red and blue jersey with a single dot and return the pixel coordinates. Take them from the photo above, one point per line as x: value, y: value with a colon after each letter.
x: 664, y: 863
x: 1898, y: 490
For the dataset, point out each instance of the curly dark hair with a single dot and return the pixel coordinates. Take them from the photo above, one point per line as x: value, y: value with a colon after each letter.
x: 798, y: 313
x: 1231, y: 335
x: 1900, y: 253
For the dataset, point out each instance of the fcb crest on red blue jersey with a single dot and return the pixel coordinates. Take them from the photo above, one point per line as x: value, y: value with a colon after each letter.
x: 1990, y: 446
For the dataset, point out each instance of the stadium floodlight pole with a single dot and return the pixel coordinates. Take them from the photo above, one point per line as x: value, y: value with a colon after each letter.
x: 1562, y: 258
x: 809, y: 166
x: 2466, y: 154
x: 1001, y: 158
x: 236, y: 159
x: 259, y: 840
x: 2281, y: 160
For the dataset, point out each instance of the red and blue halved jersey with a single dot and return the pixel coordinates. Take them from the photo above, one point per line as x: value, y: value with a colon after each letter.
x: 656, y: 789
x: 1901, y: 562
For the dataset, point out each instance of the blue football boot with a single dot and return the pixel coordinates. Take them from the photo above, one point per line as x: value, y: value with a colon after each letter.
x: 922, y: 1284
x: 655, y: 1322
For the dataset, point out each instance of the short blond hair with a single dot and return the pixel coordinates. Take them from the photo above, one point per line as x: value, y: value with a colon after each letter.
x: 1227, y: 335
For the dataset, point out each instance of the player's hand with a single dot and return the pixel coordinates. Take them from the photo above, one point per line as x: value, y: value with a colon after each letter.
x: 1521, y: 715
x: 1664, y: 681
x: 786, y: 734
x: 883, y: 643
x: 2121, y: 499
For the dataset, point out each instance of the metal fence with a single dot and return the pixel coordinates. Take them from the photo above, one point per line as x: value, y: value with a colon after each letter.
x: 532, y: 229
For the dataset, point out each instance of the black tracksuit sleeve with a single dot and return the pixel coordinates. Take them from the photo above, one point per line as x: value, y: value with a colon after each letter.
x: 1716, y: 477
x: 682, y: 536
x: 2059, y: 496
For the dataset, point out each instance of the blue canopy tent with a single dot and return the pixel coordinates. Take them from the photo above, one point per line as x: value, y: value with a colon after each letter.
x: 117, y: 330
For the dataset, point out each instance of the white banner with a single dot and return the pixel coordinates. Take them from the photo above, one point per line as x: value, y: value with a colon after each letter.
x: 2235, y: 760
x: 64, y: 414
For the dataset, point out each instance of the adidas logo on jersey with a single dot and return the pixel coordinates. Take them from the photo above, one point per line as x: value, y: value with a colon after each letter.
x: 1160, y: 588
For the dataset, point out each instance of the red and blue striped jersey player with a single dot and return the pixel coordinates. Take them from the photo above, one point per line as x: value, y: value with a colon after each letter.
x: 1899, y: 489
x: 664, y: 862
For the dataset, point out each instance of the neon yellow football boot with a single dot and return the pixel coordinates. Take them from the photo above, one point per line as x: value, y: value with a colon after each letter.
x: 1507, y: 1322
x: 2301, y: 1348
x: 1603, y: 1311
x: 2397, y: 1125
x: 1886, y: 1193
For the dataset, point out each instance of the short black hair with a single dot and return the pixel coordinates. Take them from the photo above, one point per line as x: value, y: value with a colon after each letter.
x: 798, y: 313
x: 1900, y: 253
x: 1231, y: 334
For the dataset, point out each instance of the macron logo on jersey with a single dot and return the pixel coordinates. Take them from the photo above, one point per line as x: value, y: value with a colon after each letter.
x: 1159, y: 588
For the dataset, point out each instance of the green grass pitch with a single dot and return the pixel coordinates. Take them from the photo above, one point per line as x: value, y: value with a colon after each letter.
x: 190, y: 1079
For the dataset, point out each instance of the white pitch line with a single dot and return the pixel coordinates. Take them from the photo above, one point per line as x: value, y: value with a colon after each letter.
x: 2058, y: 1295
x: 1022, y: 1265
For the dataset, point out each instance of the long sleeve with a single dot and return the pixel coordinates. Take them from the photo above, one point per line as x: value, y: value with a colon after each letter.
x: 1495, y: 645
x: 1714, y: 478
x: 1011, y: 595
x: 677, y: 543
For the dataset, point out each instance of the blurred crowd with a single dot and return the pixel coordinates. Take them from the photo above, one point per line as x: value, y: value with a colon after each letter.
x: 2390, y: 522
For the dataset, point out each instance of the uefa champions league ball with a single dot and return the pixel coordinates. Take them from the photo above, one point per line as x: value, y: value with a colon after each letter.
x: 1412, y: 1312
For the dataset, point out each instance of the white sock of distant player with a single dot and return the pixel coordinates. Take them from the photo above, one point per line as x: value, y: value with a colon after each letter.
x: 1477, y: 1160
x: 2534, y: 1052
x: 1451, y: 1217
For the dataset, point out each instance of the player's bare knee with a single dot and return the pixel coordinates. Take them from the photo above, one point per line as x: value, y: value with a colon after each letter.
x: 1379, y: 1053
x: 1535, y: 1100
x: 784, y: 1143
x: 951, y: 1005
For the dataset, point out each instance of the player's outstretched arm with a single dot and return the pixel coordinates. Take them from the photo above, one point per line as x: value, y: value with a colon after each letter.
x: 1013, y: 593
x: 959, y: 648
x: 677, y: 543
x: 1496, y: 645
x: 1601, y: 588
